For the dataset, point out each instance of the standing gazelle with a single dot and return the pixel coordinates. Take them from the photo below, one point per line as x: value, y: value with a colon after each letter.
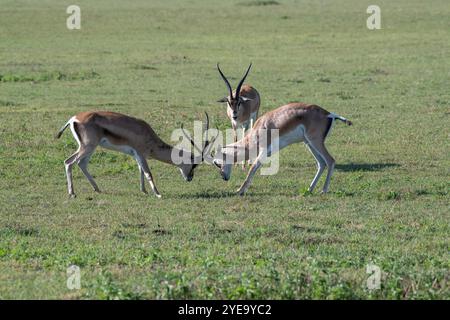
x: 295, y: 122
x: 125, y: 134
x: 242, y: 104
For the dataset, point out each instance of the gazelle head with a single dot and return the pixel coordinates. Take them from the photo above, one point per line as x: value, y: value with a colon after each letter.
x: 224, y: 168
x: 187, y: 169
x: 220, y: 161
x: 234, y: 101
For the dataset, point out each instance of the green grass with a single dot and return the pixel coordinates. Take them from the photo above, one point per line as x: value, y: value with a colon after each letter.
x: 389, y: 197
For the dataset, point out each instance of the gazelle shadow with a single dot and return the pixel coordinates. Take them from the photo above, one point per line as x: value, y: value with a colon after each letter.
x: 365, y: 166
x: 207, y: 195
x: 221, y: 194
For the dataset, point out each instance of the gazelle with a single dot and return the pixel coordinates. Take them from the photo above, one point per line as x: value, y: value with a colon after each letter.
x: 242, y: 104
x: 296, y: 122
x: 128, y: 135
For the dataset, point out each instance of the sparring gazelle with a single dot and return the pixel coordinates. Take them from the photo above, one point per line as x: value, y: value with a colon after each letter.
x: 295, y: 122
x: 242, y: 104
x: 128, y: 135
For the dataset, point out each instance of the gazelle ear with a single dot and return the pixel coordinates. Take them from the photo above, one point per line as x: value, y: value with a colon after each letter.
x: 224, y: 99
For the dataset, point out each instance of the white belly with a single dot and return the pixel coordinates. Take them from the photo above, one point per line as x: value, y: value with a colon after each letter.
x: 105, y: 143
x: 293, y: 136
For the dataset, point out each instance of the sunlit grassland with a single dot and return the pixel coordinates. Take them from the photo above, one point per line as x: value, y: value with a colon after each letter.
x: 388, y: 202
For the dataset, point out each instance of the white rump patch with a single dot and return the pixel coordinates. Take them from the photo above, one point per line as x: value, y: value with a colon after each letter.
x: 74, y: 133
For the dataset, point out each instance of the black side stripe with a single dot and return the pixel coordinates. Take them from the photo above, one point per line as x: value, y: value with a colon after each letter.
x: 330, y: 123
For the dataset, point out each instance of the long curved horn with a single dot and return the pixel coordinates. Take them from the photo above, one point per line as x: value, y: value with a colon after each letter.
x: 192, y: 142
x: 238, y: 89
x: 207, y: 151
x: 226, y: 81
x: 208, y: 143
x: 208, y: 146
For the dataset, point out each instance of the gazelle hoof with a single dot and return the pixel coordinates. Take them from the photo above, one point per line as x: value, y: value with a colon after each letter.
x: 72, y: 196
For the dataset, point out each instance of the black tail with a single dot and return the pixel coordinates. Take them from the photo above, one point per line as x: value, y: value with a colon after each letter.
x: 346, y: 121
x: 336, y: 116
x: 331, y: 118
x: 60, y: 132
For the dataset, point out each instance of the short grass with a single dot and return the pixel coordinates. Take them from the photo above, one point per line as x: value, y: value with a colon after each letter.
x: 389, y: 199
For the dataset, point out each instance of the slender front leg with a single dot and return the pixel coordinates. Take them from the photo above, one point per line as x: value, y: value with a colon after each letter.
x: 244, y: 129
x: 142, y: 181
x: 235, y: 139
x: 142, y: 176
x: 248, y: 180
x: 144, y: 167
x: 250, y: 127
x: 234, y: 135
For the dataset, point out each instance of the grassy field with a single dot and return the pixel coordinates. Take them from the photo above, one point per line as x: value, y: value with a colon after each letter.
x: 389, y: 197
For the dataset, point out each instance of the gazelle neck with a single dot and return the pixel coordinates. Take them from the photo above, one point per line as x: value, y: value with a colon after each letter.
x: 164, y: 152
x: 235, y: 153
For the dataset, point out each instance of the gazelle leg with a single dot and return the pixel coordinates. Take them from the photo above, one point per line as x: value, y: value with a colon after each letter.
x: 83, y: 160
x: 244, y: 162
x: 144, y: 167
x: 249, y: 127
x: 142, y: 175
x: 248, y: 180
x: 234, y: 135
x: 235, y: 139
x: 321, y: 164
x: 319, y: 146
x: 244, y: 130
x: 68, y: 164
